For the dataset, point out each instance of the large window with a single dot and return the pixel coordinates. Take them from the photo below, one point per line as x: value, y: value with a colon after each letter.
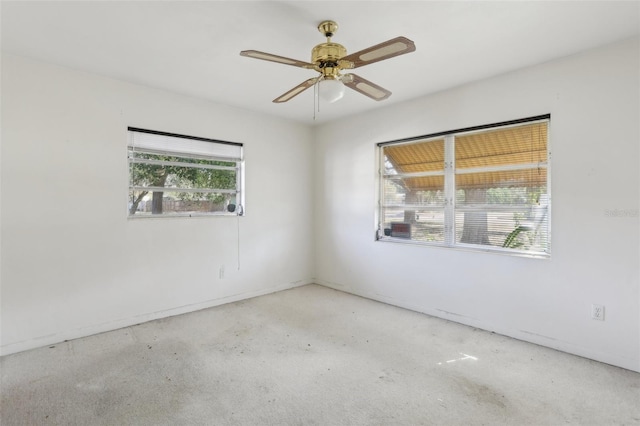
x: 176, y: 175
x: 484, y: 188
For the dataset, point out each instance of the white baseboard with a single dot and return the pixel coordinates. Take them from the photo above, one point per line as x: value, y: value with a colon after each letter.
x: 76, y: 333
x: 524, y: 335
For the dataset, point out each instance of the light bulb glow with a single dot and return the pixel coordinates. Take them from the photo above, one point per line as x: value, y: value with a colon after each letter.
x: 331, y: 90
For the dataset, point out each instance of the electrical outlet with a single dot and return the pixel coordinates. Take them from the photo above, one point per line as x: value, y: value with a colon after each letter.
x: 222, y: 272
x: 597, y: 312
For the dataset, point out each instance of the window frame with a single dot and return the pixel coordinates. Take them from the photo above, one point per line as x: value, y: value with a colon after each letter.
x: 449, y: 205
x: 222, y: 154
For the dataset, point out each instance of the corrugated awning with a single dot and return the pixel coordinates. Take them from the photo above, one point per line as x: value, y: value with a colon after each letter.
x: 514, y: 156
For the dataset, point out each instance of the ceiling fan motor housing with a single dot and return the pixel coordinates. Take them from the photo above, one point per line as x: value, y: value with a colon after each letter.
x: 328, y: 52
x: 326, y: 57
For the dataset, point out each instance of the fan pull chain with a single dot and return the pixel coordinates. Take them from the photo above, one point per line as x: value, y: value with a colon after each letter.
x: 316, y: 97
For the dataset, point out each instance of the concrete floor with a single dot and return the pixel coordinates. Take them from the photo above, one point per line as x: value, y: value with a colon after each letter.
x: 310, y: 356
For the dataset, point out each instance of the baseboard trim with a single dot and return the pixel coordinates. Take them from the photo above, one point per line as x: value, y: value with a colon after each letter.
x: 80, y: 332
x: 523, y: 335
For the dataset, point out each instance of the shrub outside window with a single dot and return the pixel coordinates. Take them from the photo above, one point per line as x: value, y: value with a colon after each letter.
x: 482, y: 188
x: 176, y: 175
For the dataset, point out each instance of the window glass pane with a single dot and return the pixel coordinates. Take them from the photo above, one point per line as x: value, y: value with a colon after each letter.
x: 143, y: 203
x: 525, y: 144
x: 425, y: 225
x: 399, y: 191
x: 425, y: 156
x: 508, y: 188
x: 429, y: 226
x: 413, y: 191
x: 187, y: 159
x: 181, y: 177
x: 503, y: 202
x: 522, y: 229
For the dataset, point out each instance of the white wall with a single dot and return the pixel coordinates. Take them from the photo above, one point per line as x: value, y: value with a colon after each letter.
x: 73, y: 264
x: 593, y: 99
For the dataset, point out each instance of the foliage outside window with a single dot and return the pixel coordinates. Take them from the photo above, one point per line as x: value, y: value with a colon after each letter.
x: 483, y: 188
x: 175, y: 175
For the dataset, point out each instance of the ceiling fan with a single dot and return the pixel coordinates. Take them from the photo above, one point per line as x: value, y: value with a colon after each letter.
x: 329, y: 59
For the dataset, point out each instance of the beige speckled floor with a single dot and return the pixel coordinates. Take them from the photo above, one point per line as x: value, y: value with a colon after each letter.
x: 310, y: 356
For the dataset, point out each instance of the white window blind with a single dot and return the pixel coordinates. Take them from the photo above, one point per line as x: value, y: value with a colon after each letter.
x: 484, y: 188
x: 166, y: 143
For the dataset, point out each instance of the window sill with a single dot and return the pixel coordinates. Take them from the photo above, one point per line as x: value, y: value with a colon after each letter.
x: 467, y: 248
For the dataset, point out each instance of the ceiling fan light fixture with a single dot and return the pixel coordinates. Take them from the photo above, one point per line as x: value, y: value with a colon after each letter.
x: 331, y: 89
x: 329, y: 59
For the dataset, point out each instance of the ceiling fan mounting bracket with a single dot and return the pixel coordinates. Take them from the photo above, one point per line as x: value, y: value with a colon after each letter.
x: 328, y: 28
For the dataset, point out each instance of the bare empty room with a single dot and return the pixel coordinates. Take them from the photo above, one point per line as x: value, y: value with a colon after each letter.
x: 320, y: 213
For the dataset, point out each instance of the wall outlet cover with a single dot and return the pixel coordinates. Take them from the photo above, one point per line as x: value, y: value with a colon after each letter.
x: 597, y: 312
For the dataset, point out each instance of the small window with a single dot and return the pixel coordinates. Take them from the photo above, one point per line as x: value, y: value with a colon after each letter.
x: 176, y: 175
x: 484, y: 188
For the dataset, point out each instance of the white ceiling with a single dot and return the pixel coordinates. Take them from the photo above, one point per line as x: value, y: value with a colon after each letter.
x: 192, y: 47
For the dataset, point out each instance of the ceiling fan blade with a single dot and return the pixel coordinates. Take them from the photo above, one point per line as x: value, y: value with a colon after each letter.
x: 275, y: 58
x: 388, y: 49
x: 295, y: 91
x: 365, y: 87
